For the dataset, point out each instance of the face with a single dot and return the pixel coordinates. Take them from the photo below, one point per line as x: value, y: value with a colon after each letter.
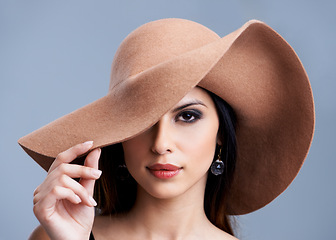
x: 175, y: 154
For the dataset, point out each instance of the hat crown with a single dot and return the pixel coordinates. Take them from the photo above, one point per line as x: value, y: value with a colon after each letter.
x: 156, y: 42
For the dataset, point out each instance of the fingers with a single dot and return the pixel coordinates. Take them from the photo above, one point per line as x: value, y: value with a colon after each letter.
x: 91, y: 161
x: 60, y: 184
x: 70, y: 154
x: 57, y: 193
x: 61, y: 174
x: 77, y: 171
x: 70, y: 170
x: 47, y: 206
x: 64, y: 182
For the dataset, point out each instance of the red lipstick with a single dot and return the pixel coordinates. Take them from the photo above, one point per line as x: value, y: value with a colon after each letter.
x: 164, y: 171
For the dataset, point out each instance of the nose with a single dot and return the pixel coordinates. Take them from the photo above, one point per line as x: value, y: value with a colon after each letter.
x: 162, y: 137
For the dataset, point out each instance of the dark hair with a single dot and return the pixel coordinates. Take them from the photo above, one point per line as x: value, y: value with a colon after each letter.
x: 116, y: 193
x: 218, y: 187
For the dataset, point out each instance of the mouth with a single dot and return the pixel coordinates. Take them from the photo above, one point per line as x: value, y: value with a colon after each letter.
x: 164, y: 171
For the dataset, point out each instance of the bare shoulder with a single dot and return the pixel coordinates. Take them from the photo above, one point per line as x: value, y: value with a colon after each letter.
x: 225, y: 236
x: 222, y: 235
x: 39, y: 234
x: 229, y: 237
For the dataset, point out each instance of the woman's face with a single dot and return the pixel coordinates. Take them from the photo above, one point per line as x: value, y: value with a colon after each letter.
x: 175, y: 154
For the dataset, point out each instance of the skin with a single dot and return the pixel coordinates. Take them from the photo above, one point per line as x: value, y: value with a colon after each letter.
x: 64, y: 207
x: 185, y: 137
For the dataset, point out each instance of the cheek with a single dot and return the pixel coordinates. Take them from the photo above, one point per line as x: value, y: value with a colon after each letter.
x: 199, y: 146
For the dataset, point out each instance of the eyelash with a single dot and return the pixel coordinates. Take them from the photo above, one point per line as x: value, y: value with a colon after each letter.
x: 194, y: 115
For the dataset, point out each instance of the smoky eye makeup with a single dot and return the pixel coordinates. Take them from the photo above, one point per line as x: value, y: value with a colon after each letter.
x: 189, y: 112
x: 189, y: 115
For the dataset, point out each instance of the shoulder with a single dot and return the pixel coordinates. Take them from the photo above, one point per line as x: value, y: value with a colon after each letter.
x: 39, y: 234
x: 221, y: 235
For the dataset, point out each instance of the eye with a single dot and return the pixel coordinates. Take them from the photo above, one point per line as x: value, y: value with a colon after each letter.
x: 189, y: 116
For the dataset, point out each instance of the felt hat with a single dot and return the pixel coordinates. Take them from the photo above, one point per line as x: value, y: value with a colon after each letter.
x: 253, y: 69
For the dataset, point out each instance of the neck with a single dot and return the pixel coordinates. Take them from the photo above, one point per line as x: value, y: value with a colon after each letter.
x: 180, y: 217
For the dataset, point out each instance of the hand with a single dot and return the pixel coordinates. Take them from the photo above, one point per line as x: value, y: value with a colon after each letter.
x: 65, y: 207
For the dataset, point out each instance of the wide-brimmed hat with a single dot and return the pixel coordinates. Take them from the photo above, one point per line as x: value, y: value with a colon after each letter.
x: 253, y: 69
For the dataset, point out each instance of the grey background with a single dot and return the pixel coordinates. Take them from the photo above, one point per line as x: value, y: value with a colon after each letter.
x: 55, y: 57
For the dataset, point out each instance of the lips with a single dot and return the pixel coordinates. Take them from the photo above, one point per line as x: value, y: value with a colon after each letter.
x: 163, y: 167
x: 164, y: 171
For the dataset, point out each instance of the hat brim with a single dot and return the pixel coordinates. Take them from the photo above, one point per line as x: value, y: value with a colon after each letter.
x: 253, y: 69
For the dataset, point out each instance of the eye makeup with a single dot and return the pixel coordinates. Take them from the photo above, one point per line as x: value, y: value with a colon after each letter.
x: 189, y: 115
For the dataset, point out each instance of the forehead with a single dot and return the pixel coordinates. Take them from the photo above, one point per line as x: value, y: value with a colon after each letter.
x: 196, y: 94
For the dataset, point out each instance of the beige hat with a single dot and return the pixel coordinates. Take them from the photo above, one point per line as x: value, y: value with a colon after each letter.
x: 253, y: 69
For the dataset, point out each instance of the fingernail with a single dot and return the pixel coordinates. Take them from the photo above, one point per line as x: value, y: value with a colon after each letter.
x: 87, y: 143
x: 78, y: 200
x: 98, y: 150
x: 96, y: 173
x: 92, y: 201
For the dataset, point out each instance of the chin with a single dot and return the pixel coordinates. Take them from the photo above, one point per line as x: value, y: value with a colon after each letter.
x: 170, y: 190
x: 163, y: 191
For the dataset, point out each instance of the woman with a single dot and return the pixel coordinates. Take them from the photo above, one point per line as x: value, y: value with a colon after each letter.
x: 164, y: 124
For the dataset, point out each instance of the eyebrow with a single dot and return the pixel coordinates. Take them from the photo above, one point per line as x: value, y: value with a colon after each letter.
x: 193, y: 102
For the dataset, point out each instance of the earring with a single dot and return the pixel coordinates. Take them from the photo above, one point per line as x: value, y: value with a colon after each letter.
x: 217, y: 167
x: 122, y: 172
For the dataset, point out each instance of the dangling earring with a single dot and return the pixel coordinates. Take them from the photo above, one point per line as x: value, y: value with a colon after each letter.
x: 217, y: 167
x: 122, y: 172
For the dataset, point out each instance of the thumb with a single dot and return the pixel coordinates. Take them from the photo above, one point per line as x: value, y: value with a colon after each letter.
x: 91, y: 160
